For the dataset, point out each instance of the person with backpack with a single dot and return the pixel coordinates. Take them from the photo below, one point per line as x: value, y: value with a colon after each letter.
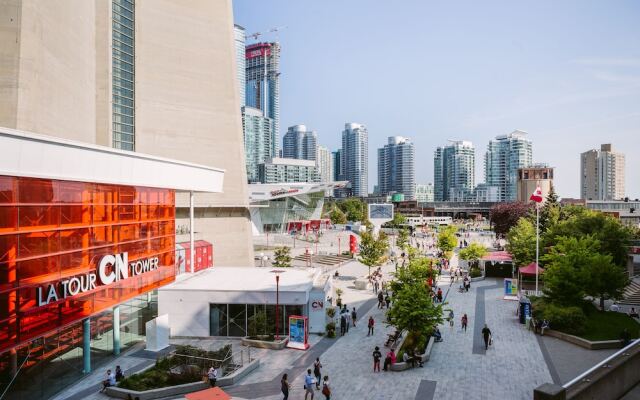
x: 354, y: 316
x: 309, y: 382
x: 370, y: 325
x: 326, y: 389
x: 376, y: 359
x: 316, y: 372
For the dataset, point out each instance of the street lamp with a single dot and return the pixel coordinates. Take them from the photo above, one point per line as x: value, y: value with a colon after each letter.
x: 310, y: 256
x: 277, y: 272
x: 262, y: 257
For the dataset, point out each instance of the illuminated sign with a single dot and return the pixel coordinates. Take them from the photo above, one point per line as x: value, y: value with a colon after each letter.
x: 111, y: 268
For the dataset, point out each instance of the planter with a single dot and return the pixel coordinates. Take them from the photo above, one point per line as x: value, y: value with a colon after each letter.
x: 587, y: 344
x: 171, y: 391
x: 401, y: 366
x: 265, y: 344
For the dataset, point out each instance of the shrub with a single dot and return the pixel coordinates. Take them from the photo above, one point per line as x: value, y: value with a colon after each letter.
x: 331, y: 312
x: 331, y: 329
x: 475, y: 272
x: 566, y: 319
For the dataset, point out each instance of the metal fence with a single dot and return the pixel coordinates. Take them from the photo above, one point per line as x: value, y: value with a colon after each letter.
x: 231, y: 362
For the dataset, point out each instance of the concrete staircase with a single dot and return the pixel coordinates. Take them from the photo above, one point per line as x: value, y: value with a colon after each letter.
x: 631, y: 295
x: 323, y: 259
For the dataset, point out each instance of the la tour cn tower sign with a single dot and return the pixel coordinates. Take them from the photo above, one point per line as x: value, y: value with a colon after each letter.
x: 112, y: 268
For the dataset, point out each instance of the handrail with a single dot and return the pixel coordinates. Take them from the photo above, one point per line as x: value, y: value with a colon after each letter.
x: 16, y: 375
x: 602, y: 363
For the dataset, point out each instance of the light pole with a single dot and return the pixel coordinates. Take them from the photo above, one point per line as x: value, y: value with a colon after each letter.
x: 262, y: 259
x: 339, y: 252
x: 277, y: 272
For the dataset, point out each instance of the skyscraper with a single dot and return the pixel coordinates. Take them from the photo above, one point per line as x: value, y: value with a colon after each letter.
x: 396, y: 170
x: 259, y: 140
x: 239, y: 40
x: 262, y: 61
x: 324, y: 161
x: 355, y: 159
x: 505, y: 155
x: 299, y: 143
x: 602, y: 174
x: 454, y: 171
x: 338, y: 173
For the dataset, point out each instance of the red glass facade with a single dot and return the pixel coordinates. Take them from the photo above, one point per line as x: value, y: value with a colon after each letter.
x: 52, y: 230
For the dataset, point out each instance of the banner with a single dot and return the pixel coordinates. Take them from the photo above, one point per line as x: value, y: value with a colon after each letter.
x: 510, y: 289
x: 298, y: 332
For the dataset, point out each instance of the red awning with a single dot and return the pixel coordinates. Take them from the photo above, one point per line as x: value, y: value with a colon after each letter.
x: 531, y: 269
x: 498, y: 256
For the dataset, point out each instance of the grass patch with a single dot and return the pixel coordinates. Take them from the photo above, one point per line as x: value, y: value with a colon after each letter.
x: 607, y: 325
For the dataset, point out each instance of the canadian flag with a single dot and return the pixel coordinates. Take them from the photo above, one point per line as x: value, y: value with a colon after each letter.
x: 536, y: 195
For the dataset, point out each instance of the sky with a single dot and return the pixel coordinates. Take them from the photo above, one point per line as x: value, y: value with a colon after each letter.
x: 567, y: 72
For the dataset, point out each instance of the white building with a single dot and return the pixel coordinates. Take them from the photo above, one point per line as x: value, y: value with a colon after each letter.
x: 288, y: 170
x: 396, y: 167
x: 424, y: 193
x: 602, y: 174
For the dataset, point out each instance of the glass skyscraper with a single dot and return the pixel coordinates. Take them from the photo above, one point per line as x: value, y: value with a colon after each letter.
x: 259, y: 141
x: 454, y: 171
x: 396, y: 169
x: 300, y: 143
x: 505, y: 154
x: 355, y: 159
x: 123, y: 82
x: 239, y: 41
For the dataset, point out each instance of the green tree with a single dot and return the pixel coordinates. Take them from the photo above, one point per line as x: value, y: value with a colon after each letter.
x: 403, y: 239
x: 282, y: 257
x: 550, y: 211
x: 521, y: 242
x: 417, y: 271
x: 372, y: 250
x: 447, y: 240
x: 603, y: 278
x: 397, y: 221
x: 414, y: 311
x: 505, y: 215
x: 473, y: 253
x: 355, y: 209
x: 337, y: 216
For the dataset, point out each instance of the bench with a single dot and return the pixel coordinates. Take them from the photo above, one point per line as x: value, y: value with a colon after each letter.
x: 392, y: 338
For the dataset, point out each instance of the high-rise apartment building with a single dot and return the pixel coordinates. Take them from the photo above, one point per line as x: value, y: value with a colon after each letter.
x: 505, y: 155
x: 338, y: 173
x: 259, y: 141
x: 602, y: 174
x: 355, y: 159
x: 262, y: 67
x: 79, y: 71
x: 424, y: 193
x: 454, y: 171
x: 300, y: 143
x: 324, y: 161
x: 288, y: 170
x: 396, y: 168
x: 241, y: 72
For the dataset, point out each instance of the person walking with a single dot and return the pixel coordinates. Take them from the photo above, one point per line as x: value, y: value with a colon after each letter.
x: 486, y: 335
x: 285, y: 386
x: 464, y: 321
x: 451, y: 317
x: 380, y: 300
x: 376, y: 359
x: 309, y: 381
x: 343, y: 325
x: 213, y: 376
x: 326, y: 389
x: 317, y: 366
x: 354, y: 316
x: 439, y: 295
x: 370, y: 325
x: 387, y: 300
x: 347, y: 316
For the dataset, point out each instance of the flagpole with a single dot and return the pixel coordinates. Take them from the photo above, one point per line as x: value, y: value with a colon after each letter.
x: 537, y: 242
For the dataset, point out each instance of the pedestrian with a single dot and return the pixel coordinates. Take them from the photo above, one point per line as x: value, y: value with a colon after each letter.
x: 285, y: 386
x: 213, y: 376
x: 464, y: 321
x: 309, y: 381
x: 380, y: 300
x: 347, y: 316
x: 119, y: 374
x: 452, y: 278
x: 326, y: 389
x: 376, y: 359
x: 376, y: 286
x: 451, y: 317
x: 486, y: 335
x: 439, y: 295
x: 354, y: 316
x: 389, y: 360
x: 387, y: 300
x: 343, y: 325
x: 370, y: 325
x: 110, y: 381
x: 317, y: 366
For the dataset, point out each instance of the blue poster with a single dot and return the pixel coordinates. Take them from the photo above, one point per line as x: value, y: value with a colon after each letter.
x: 296, y: 330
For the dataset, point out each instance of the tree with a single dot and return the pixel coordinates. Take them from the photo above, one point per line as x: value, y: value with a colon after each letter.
x: 603, y: 278
x: 282, y: 257
x: 521, y: 242
x: 413, y: 310
x: 403, y: 239
x: 337, y: 216
x: 355, y: 209
x: 447, y: 240
x: 473, y: 253
x: 372, y: 249
x: 397, y: 221
x: 503, y: 216
x: 550, y: 211
x: 417, y: 271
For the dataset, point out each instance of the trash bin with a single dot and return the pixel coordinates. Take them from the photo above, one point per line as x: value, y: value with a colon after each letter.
x: 525, y: 309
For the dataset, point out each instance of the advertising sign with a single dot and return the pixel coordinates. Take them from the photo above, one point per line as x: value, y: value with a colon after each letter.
x: 510, y: 289
x: 353, y: 244
x: 298, y: 332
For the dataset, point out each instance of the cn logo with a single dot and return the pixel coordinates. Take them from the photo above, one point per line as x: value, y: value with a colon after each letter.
x: 317, y: 304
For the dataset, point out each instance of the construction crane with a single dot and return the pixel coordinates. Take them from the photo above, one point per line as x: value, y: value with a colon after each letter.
x: 256, y: 35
